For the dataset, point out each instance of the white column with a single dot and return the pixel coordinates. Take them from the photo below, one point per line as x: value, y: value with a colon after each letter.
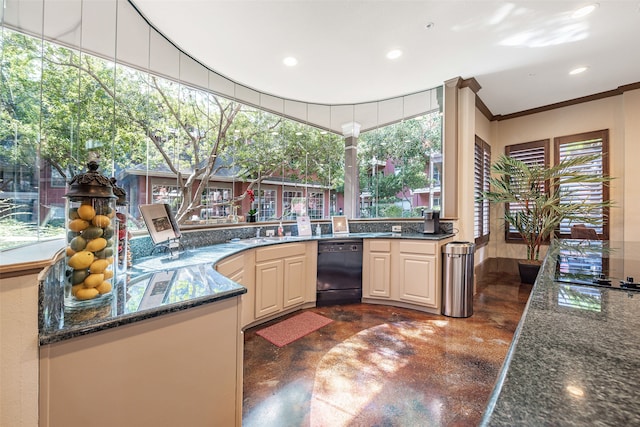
x: 351, y: 131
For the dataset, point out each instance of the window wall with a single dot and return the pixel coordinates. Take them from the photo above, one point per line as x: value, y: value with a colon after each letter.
x: 92, y: 80
x: 400, y: 167
x: 163, y: 141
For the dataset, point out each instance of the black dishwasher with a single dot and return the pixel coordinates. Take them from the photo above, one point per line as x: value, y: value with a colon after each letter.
x: 339, y: 272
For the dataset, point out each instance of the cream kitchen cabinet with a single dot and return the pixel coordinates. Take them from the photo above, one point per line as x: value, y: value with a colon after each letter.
x: 285, y: 278
x: 403, y: 272
x: 182, y: 368
x: 239, y: 268
x: 417, y: 267
x: 376, y: 268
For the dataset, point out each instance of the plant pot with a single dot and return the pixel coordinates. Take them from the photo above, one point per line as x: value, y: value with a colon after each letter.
x: 251, y: 218
x: 528, y: 270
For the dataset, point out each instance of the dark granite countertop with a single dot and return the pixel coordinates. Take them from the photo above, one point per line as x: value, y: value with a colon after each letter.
x: 575, y: 357
x: 161, y: 284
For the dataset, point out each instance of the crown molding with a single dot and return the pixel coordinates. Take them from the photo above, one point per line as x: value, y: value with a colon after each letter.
x: 607, y: 94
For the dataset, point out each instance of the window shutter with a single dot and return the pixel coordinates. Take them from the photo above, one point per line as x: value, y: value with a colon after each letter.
x: 578, y: 145
x: 531, y: 153
x: 481, y: 174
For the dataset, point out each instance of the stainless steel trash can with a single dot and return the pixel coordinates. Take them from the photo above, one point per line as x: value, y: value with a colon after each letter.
x: 457, y: 279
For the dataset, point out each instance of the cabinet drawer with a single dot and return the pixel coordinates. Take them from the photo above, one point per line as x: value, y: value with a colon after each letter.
x: 376, y: 245
x: 417, y: 247
x: 280, y: 251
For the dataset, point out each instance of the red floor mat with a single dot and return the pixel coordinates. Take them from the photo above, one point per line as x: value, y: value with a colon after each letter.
x: 293, y: 328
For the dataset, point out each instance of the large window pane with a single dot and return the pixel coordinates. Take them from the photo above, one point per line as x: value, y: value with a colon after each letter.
x: 20, y: 113
x: 400, y: 167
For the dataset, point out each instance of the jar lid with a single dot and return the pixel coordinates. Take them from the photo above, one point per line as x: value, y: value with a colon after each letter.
x: 119, y: 193
x: 90, y: 184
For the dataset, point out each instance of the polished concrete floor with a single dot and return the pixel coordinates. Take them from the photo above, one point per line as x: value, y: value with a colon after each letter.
x: 385, y: 366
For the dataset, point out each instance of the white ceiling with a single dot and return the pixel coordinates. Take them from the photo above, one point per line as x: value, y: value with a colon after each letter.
x: 520, y: 52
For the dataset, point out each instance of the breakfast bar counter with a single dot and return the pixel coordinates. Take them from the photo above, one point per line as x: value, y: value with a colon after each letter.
x: 194, y: 266
x: 575, y: 357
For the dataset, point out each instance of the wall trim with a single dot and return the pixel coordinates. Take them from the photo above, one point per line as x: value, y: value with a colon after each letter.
x: 481, y: 106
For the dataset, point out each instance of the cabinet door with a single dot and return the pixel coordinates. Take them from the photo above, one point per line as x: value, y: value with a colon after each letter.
x: 294, y: 280
x: 269, y: 281
x: 233, y: 268
x: 379, y: 275
x: 417, y: 277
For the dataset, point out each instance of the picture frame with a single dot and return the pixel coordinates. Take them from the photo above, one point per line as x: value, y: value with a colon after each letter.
x: 339, y: 224
x: 160, y: 222
x: 304, y: 226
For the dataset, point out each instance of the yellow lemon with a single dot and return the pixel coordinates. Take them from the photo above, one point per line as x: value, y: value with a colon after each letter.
x: 74, y: 289
x: 96, y: 245
x: 70, y: 252
x: 101, y: 221
x: 99, y: 266
x: 93, y: 280
x: 86, y: 212
x: 108, y: 274
x: 86, y: 293
x: 78, y: 225
x: 105, y: 287
x: 81, y: 260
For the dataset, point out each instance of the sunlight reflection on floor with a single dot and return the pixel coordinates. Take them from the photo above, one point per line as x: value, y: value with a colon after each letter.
x: 354, y: 372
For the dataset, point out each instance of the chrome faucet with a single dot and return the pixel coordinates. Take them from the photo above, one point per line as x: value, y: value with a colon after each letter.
x: 258, y: 231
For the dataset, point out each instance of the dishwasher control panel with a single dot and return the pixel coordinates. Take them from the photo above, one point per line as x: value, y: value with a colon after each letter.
x: 340, y: 247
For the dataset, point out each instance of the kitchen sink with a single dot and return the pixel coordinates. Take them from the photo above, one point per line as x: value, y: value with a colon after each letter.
x: 252, y: 240
x: 270, y: 239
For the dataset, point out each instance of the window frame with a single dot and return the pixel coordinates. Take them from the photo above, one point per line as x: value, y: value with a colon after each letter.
x: 482, y: 149
x: 509, y: 236
x: 603, y: 135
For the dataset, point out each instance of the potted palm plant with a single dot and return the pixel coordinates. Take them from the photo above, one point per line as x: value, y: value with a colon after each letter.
x: 537, y: 198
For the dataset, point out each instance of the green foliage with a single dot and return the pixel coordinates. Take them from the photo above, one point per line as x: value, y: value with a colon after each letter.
x: 408, y: 146
x: 392, y: 211
x: 538, y: 193
x: 59, y: 104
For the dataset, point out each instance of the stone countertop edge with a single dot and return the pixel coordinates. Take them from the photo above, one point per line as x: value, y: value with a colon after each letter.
x: 207, y: 255
x: 92, y: 327
x: 568, y: 365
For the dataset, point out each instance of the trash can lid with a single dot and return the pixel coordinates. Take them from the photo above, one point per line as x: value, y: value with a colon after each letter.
x: 459, y: 248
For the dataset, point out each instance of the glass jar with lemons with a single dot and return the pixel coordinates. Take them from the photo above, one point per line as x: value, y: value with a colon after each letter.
x: 91, y: 238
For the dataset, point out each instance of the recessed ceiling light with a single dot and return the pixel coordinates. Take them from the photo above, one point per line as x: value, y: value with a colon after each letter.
x: 429, y: 25
x: 394, y: 54
x: 578, y: 70
x: 290, y: 61
x: 585, y: 10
